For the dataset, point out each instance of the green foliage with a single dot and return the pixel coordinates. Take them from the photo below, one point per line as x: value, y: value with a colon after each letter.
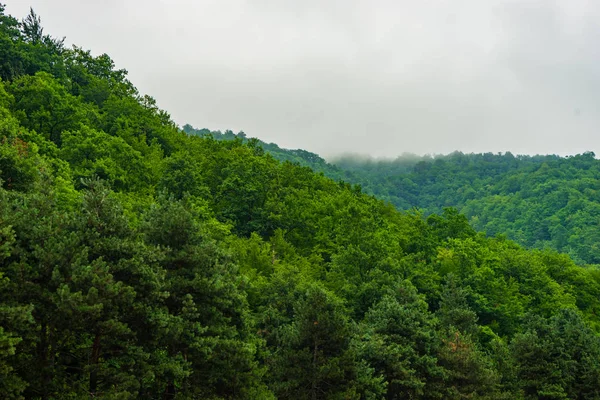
x: 540, y: 201
x: 95, y: 153
x: 44, y: 105
x: 399, y: 340
x: 138, y: 261
x: 314, y: 359
x: 558, y: 357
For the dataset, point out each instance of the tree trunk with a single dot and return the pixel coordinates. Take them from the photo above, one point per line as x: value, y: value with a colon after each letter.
x: 43, y: 352
x: 314, y: 379
x: 169, y: 391
x: 94, y: 364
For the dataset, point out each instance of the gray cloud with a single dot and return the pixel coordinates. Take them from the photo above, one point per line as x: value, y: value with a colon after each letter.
x: 378, y: 77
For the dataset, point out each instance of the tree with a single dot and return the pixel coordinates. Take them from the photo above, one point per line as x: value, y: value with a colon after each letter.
x: 558, y: 357
x: 399, y: 340
x: 32, y: 27
x: 470, y: 372
x: 11, y: 64
x: 211, y: 328
x: 95, y: 153
x: 313, y: 358
x: 43, y: 104
x: 15, y: 318
x: 454, y: 312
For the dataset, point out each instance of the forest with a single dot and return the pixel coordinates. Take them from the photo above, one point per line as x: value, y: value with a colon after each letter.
x: 541, y: 202
x: 141, y: 261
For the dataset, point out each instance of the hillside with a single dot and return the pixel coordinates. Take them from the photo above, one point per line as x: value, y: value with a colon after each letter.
x: 137, y: 261
x: 538, y: 201
x: 296, y: 156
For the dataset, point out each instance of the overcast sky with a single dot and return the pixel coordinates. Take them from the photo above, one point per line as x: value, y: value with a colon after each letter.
x: 377, y: 77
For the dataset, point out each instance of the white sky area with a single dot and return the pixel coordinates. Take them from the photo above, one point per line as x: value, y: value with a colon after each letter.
x: 376, y: 77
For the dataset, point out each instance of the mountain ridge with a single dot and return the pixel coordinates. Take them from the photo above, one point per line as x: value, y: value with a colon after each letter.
x: 530, y: 199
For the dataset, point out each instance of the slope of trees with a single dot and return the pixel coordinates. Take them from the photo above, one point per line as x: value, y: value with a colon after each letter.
x: 538, y: 201
x: 297, y: 156
x: 140, y: 262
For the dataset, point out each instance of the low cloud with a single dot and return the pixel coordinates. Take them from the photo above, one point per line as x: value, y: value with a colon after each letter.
x: 372, y: 77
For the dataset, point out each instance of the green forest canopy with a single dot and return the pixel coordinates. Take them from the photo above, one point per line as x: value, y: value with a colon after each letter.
x: 538, y: 201
x: 140, y: 262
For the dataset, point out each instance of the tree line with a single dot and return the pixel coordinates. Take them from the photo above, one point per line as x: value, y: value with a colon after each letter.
x: 540, y: 202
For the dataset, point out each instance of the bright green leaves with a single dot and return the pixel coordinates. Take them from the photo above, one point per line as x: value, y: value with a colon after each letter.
x: 43, y: 105
x: 450, y: 224
x: 19, y: 161
x: 95, y: 78
x: 139, y: 262
x: 182, y: 175
x: 94, y: 153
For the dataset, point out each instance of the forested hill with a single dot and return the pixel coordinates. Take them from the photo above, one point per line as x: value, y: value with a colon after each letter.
x: 298, y: 156
x: 138, y: 262
x: 538, y: 201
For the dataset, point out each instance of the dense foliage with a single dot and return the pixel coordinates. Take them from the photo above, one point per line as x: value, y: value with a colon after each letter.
x: 538, y: 201
x: 296, y: 156
x: 140, y: 262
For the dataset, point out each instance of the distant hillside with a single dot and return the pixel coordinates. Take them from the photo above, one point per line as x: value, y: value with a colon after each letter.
x: 539, y: 201
x: 301, y: 157
x: 542, y: 201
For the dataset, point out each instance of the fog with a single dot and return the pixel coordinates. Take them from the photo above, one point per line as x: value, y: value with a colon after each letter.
x: 371, y: 77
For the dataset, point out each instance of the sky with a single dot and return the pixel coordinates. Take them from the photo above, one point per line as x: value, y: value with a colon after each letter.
x: 372, y: 77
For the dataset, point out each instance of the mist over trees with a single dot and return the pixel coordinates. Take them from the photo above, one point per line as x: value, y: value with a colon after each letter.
x: 538, y: 201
